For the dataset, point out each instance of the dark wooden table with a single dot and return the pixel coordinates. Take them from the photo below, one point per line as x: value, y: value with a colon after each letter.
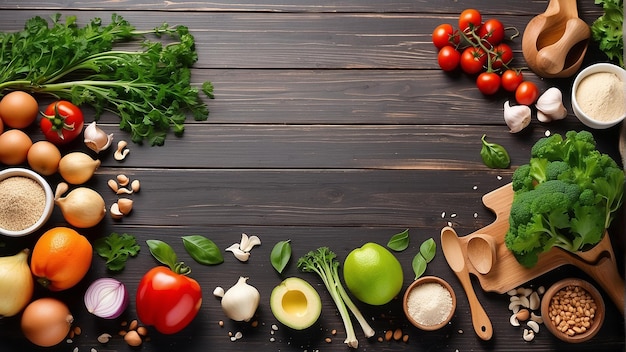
x: 332, y: 125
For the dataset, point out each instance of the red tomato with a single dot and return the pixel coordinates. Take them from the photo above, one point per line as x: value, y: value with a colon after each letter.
x: 469, y: 17
x: 167, y: 300
x: 492, y: 31
x: 503, y: 56
x: 448, y: 58
x: 473, y: 60
x: 488, y: 83
x: 62, y: 122
x: 526, y: 93
x: 444, y: 35
x: 511, y: 79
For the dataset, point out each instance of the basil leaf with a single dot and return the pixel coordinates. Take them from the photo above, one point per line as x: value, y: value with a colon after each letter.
x: 399, y: 241
x: 162, y: 252
x: 203, y: 250
x: 419, y: 265
x: 280, y: 255
x: 428, y: 249
x: 494, y: 155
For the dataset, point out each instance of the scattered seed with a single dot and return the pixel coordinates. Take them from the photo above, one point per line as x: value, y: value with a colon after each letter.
x: 122, y: 333
x: 254, y: 324
x: 75, y: 349
x: 233, y: 338
x: 142, y: 330
x: 104, y: 338
x: 405, y: 338
x: 499, y: 177
x: 132, y: 338
x: 443, y: 214
x: 397, y: 335
x: 238, y: 335
x: 475, y: 215
x: 475, y: 187
x: 69, y: 341
x: 274, y: 327
x: 333, y: 332
x: 388, y: 335
x: 220, y: 323
x: 272, y: 339
x: 547, y: 133
x: 453, y: 215
x: 133, y: 325
x: 328, y: 340
x: 380, y: 339
x: 124, y: 323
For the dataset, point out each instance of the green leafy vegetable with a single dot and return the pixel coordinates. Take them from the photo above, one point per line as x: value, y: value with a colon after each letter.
x: 399, y: 241
x: 494, y: 155
x: 324, y: 263
x: 116, y: 249
x: 428, y: 249
x: 280, y: 255
x: 149, y: 87
x: 607, y: 29
x: 566, y: 196
x: 165, y: 254
x: 203, y: 250
x: 419, y: 265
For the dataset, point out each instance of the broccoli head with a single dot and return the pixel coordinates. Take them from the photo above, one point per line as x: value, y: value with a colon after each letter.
x: 566, y: 196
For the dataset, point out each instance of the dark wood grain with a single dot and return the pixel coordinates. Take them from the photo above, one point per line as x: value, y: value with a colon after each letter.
x: 332, y: 125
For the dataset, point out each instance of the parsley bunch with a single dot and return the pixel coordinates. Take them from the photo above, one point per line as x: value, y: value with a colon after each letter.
x: 148, y: 87
x: 607, y: 29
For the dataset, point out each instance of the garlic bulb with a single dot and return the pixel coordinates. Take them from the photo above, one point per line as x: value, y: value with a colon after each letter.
x: 550, y: 106
x: 517, y: 117
x: 241, y: 301
x: 96, y: 139
x: 16, y: 283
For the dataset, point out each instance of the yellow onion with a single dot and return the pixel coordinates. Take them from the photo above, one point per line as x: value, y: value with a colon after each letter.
x: 77, y: 167
x: 46, y: 322
x: 82, y: 207
x: 16, y: 283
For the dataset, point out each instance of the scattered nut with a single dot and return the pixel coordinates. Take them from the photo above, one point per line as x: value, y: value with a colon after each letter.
x: 513, y: 320
x: 533, y: 325
x: 121, y: 153
x: 528, y: 335
x: 328, y: 340
x: 388, y: 335
x: 534, y: 301
x: 132, y: 338
x: 133, y: 325
x: 536, y: 318
x: 142, y: 331
x: 104, y: 338
x: 397, y: 335
x: 522, y: 315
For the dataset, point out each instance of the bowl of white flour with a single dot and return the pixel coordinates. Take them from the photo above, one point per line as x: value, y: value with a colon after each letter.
x: 599, y: 95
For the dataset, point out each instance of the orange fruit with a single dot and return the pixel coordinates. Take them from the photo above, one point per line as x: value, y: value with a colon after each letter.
x: 373, y: 274
x: 61, y: 258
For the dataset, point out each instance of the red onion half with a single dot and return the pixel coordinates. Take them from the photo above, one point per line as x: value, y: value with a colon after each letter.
x: 106, y: 298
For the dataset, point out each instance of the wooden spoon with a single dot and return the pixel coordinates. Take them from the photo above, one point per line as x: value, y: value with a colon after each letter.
x: 453, y: 251
x: 555, y: 42
x: 481, y: 252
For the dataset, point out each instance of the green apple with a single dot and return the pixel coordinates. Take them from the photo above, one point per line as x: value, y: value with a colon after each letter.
x: 373, y: 274
x: 295, y: 303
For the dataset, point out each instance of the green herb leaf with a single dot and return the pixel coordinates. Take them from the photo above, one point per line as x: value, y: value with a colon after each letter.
x: 203, y: 250
x: 399, y: 241
x: 494, y: 155
x: 280, y: 255
x: 419, y: 265
x: 428, y: 249
x: 607, y: 31
x: 116, y: 249
x: 163, y: 252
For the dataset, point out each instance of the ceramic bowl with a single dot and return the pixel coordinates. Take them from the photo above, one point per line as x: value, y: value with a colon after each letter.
x: 546, y: 307
x: 49, y: 202
x: 410, y: 306
x: 584, y: 117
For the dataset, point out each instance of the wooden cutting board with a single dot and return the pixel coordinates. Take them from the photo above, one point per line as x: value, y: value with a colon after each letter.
x: 506, y: 273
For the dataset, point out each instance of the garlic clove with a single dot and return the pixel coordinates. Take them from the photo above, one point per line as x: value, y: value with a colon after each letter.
x: 238, y: 253
x: 543, y: 117
x: 250, y: 243
x: 96, y: 139
x: 517, y: 117
x: 115, y: 211
x: 218, y: 292
x: 550, y: 103
x: 125, y: 205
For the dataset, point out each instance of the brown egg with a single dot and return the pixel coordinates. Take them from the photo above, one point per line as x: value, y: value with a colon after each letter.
x: 14, y: 146
x: 43, y: 157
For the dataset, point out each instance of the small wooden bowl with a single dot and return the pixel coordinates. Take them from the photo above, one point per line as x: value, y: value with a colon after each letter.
x: 415, y: 285
x: 599, y: 314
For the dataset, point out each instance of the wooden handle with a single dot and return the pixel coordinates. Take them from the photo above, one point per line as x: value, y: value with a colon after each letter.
x: 605, y: 274
x: 480, y: 319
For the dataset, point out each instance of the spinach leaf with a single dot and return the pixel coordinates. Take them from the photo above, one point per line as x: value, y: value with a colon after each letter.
x: 203, y: 250
x: 280, y: 255
x: 494, y: 155
x: 399, y: 241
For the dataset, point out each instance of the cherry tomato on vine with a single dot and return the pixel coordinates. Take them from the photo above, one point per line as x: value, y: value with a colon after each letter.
x: 62, y: 122
x: 511, y: 79
x: 444, y: 35
x: 470, y: 17
x: 448, y: 58
x: 526, y: 93
x: 167, y: 300
x: 492, y: 31
x: 473, y: 60
x: 503, y: 56
x: 488, y: 83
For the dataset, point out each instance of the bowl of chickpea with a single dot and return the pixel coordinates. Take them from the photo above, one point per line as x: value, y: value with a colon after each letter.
x: 573, y: 310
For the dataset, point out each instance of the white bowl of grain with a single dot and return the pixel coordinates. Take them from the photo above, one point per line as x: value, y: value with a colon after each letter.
x: 599, y: 95
x: 26, y: 202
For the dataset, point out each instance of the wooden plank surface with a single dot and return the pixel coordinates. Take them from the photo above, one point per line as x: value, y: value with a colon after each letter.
x: 332, y: 125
